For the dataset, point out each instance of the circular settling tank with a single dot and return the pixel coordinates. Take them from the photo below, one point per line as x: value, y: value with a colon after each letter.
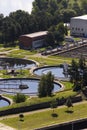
x: 3, y: 103
x: 15, y: 63
x: 57, y: 71
x: 13, y: 86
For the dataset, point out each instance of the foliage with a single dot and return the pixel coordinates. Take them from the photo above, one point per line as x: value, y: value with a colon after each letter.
x: 69, y: 102
x: 21, y: 116
x: 78, y: 73
x: 73, y: 71
x: 46, y: 85
x: 45, y: 14
x: 10, y: 30
x: 18, y: 98
x: 54, y: 104
x: 84, y: 6
x: 56, y: 34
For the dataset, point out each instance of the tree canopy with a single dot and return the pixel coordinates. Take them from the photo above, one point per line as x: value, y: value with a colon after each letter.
x: 46, y: 85
x: 78, y: 73
x: 45, y: 14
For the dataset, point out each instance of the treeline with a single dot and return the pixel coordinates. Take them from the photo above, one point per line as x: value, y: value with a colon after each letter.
x: 45, y: 14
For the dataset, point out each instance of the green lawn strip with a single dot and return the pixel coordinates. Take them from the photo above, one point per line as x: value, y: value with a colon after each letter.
x: 61, y: 57
x: 8, y: 96
x: 5, y: 49
x: 20, y: 53
x: 65, y: 94
x: 36, y: 100
x: 22, y: 74
x: 67, y: 85
x: 45, y: 118
x: 12, y: 96
x: 50, y: 61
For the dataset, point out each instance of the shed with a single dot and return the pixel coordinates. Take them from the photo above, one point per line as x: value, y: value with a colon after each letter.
x: 33, y: 40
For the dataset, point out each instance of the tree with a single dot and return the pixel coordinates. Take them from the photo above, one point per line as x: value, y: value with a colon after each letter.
x: 84, y: 6
x: 64, y: 4
x: 18, y: 98
x: 56, y: 34
x: 41, y: 87
x: 50, y: 38
x: 67, y: 14
x: 23, y: 19
x: 1, y: 19
x: 54, y: 104
x: 82, y: 63
x: 76, y: 8
x: 49, y: 83
x: 59, y: 33
x: 21, y: 117
x: 78, y: 73
x: 73, y: 71
x: 10, y: 30
x: 85, y: 77
x: 46, y: 85
x: 69, y: 102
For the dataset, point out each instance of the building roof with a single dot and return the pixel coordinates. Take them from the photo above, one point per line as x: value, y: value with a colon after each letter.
x: 83, y: 17
x: 36, y: 34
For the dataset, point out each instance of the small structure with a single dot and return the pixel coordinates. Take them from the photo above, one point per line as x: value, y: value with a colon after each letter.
x: 23, y: 86
x: 69, y: 39
x: 34, y: 40
x: 65, y: 69
x: 78, y: 26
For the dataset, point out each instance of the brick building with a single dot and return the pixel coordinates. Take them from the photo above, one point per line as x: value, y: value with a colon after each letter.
x: 33, y: 40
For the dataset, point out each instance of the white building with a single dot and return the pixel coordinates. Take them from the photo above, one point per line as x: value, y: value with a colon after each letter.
x: 78, y: 26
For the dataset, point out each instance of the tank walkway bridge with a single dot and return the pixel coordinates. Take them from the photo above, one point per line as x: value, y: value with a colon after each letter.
x: 74, y: 50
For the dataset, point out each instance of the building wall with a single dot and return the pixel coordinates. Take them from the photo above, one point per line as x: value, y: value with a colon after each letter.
x: 25, y: 42
x: 28, y: 43
x: 38, y: 43
x: 78, y: 27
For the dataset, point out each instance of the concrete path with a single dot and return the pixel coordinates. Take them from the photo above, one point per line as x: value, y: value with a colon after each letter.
x: 4, y: 127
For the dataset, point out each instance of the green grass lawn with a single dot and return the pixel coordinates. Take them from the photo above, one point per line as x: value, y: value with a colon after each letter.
x: 45, y: 118
x: 67, y: 85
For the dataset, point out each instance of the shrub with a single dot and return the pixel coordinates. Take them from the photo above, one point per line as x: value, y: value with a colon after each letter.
x: 19, y: 98
x: 21, y: 117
